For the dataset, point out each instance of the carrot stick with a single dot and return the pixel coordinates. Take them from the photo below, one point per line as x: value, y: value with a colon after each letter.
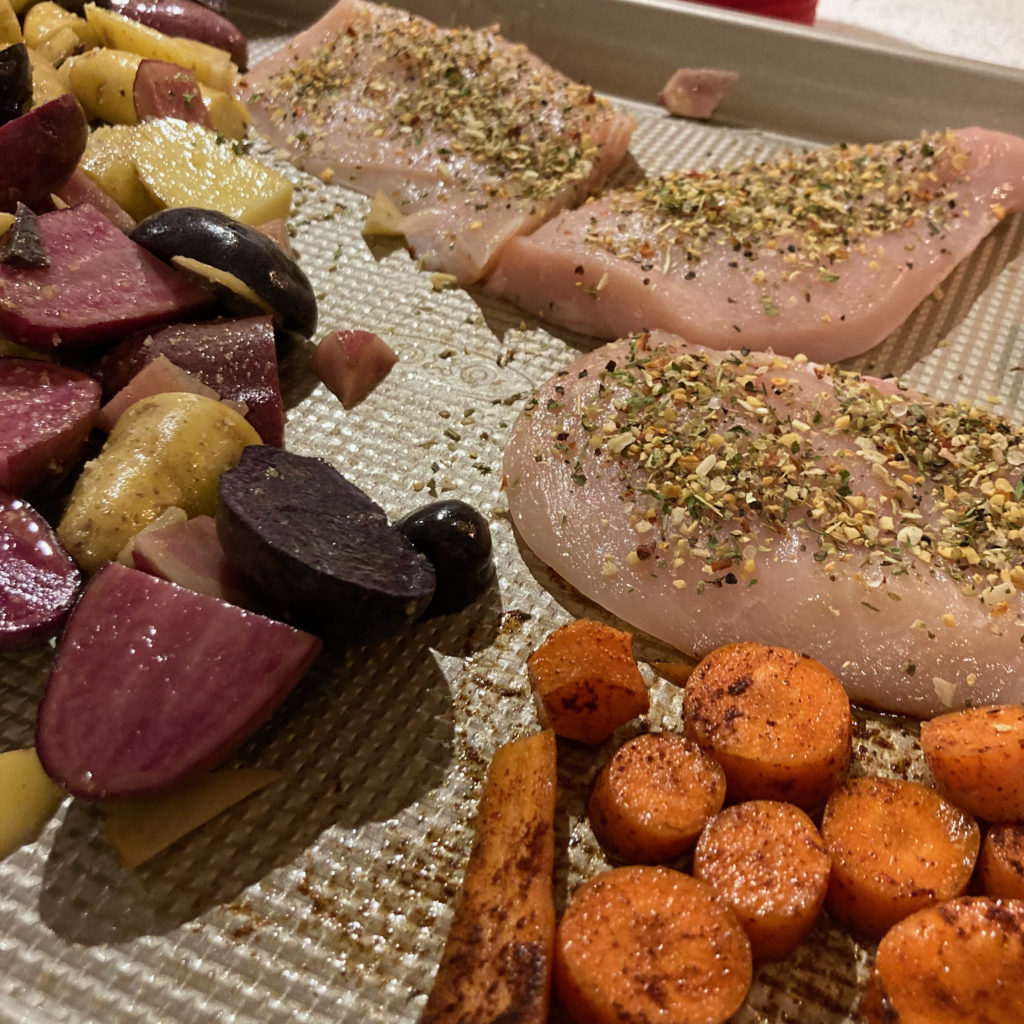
x: 496, y: 964
x: 961, y: 962
x: 643, y: 944
x: 896, y: 847
x: 651, y: 799
x: 586, y: 681
x: 1001, y: 862
x: 778, y: 722
x: 768, y: 862
x: 976, y: 757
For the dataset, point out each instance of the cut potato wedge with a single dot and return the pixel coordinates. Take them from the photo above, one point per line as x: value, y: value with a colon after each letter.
x: 183, y: 164
x: 102, y: 80
x: 141, y: 827
x: 109, y: 159
x: 210, y: 64
x: 10, y: 27
x: 28, y: 799
x: 228, y: 116
x: 47, y: 83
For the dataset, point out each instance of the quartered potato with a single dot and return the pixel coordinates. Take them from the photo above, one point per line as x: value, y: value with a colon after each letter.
x: 184, y: 164
x: 109, y: 159
x: 28, y: 799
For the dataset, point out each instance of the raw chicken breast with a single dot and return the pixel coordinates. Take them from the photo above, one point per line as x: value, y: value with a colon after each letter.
x: 708, y: 497
x: 823, y: 253
x: 473, y: 138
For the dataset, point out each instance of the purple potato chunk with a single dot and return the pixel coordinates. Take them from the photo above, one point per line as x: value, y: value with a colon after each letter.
x: 46, y: 414
x: 318, y: 548
x: 237, y: 358
x: 38, y: 580
x: 15, y: 82
x: 153, y: 684
x: 99, y: 286
x: 21, y: 246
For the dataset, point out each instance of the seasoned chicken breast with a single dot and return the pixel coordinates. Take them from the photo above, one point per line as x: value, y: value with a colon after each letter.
x: 708, y: 497
x: 823, y: 253
x: 472, y: 137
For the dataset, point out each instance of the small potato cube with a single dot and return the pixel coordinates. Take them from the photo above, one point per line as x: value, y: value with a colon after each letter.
x: 586, y: 681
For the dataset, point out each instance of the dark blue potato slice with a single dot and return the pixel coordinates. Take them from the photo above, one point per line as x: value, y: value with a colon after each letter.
x: 153, y: 684
x: 317, y: 547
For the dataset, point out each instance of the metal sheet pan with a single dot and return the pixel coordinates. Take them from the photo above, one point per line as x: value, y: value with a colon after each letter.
x: 326, y: 897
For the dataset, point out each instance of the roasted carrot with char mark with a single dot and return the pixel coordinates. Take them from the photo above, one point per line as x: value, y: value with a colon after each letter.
x: 768, y: 862
x: 586, y: 681
x: 896, y: 847
x: 960, y: 962
x: 976, y: 757
x: 642, y: 944
x: 653, y: 797
x: 496, y: 964
x: 1001, y: 862
x: 777, y: 721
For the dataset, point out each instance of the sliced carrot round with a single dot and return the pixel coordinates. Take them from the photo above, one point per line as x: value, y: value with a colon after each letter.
x: 1001, y: 862
x: 896, y: 847
x: 778, y: 722
x: 643, y: 943
x: 976, y: 757
x: 653, y: 797
x: 959, y: 962
x: 768, y: 862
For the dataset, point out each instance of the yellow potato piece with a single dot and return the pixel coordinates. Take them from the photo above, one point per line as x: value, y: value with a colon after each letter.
x: 383, y: 218
x: 109, y: 159
x: 10, y: 27
x: 47, y: 83
x: 103, y: 81
x: 228, y: 116
x: 165, y: 450
x: 184, y: 164
x: 140, y: 827
x: 28, y: 799
x: 211, y: 64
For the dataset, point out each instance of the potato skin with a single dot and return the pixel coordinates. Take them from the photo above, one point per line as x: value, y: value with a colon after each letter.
x: 166, y: 450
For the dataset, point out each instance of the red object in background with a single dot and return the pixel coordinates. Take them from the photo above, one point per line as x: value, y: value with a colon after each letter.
x: 801, y: 11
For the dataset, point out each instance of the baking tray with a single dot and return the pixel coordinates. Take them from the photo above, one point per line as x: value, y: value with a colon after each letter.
x: 327, y: 896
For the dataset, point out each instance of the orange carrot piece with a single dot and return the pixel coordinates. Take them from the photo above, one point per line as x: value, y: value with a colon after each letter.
x: 961, y: 962
x: 768, y: 862
x: 651, y: 799
x: 896, y: 847
x: 497, y: 959
x: 976, y: 757
x: 778, y: 722
x: 642, y: 944
x: 586, y: 681
x: 1000, y: 871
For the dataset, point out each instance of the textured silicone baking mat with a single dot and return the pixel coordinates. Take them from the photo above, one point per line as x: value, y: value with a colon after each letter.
x: 326, y: 897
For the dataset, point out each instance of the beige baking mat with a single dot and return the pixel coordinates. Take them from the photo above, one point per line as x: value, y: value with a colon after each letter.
x: 326, y: 897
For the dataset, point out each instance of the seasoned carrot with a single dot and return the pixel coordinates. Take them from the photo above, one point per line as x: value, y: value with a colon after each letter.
x: 768, y: 862
x: 586, y: 681
x: 1001, y: 862
x: 651, y: 799
x: 961, y: 962
x: 496, y: 963
x: 976, y: 757
x: 896, y: 847
x: 778, y: 722
x: 643, y: 944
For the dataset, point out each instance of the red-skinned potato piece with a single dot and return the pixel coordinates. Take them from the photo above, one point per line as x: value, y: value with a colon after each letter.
x: 38, y: 581
x: 153, y: 684
x: 189, y: 553
x: 100, y: 285
x: 237, y: 358
x: 163, y: 89
x: 156, y: 378
x: 46, y: 414
x: 40, y: 149
x: 352, y: 364
x: 80, y: 188
x: 189, y: 19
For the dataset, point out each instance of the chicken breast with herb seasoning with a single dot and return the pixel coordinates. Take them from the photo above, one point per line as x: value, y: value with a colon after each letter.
x: 708, y: 497
x: 823, y: 253
x: 473, y: 138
